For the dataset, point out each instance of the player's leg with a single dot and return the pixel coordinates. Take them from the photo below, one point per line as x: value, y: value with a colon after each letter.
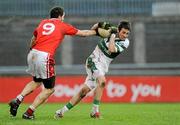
x: 74, y: 101
x: 41, y: 98
x: 14, y: 104
x: 80, y: 95
x: 97, y: 96
x: 29, y: 88
x: 96, y: 75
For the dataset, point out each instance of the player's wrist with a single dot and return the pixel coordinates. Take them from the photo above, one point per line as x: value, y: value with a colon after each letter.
x: 97, y: 33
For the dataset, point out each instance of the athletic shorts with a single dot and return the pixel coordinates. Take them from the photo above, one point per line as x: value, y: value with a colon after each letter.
x: 94, y: 70
x: 97, y: 65
x: 48, y: 83
x: 40, y: 64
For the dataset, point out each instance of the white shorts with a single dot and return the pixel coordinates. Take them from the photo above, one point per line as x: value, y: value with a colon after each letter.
x: 93, y: 73
x: 90, y: 80
x: 97, y: 65
x: 40, y: 64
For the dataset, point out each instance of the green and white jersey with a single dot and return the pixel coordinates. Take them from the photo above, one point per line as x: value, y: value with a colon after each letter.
x: 101, y: 57
x: 120, y: 46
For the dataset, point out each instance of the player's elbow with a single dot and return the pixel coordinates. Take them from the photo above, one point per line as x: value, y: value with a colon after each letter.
x: 80, y: 33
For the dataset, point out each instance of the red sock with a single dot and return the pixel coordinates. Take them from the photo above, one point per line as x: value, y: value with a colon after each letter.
x: 30, y: 111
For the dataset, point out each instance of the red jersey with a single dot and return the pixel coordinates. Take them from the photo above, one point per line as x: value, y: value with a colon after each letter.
x: 50, y: 33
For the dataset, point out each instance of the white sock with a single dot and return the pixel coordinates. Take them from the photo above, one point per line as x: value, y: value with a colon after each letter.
x: 64, y: 109
x: 20, y: 97
x: 95, y: 108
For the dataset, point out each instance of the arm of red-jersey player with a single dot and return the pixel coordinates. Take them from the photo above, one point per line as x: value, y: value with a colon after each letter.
x: 88, y: 32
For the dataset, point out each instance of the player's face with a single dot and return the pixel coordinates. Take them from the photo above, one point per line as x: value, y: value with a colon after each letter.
x: 123, y: 34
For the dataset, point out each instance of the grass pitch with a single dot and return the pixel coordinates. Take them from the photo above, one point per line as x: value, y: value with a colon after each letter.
x: 113, y: 114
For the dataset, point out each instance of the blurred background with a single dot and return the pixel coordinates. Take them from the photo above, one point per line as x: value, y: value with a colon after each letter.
x: 154, y: 39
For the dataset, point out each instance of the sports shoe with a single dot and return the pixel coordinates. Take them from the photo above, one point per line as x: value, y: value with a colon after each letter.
x: 95, y: 115
x: 27, y: 116
x: 58, y: 114
x: 13, y: 107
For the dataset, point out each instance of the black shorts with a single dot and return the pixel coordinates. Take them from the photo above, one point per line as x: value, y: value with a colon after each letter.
x: 48, y: 83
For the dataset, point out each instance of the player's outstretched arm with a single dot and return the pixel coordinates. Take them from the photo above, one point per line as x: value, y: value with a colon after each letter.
x: 86, y: 32
x: 90, y: 32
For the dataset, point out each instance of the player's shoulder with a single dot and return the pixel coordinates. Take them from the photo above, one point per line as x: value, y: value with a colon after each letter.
x: 44, y: 20
x: 125, y: 42
x: 67, y: 24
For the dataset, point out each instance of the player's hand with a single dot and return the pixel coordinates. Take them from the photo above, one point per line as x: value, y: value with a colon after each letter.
x: 94, y: 27
x: 114, y: 30
x: 104, y: 25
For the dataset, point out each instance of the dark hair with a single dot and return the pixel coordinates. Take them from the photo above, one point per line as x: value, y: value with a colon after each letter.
x: 56, y: 12
x: 125, y: 25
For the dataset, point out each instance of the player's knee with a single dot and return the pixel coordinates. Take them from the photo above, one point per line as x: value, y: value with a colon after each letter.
x: 83, y: 93
x: 102, y: 84
x: 50, y: 91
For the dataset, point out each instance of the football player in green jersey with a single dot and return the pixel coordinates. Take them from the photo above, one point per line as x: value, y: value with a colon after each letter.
x: 97, y: 65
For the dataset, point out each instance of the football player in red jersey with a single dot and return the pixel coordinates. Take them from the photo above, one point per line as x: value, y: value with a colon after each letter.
x: 46, y: 39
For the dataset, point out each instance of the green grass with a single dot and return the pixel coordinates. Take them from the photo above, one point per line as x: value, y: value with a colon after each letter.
x: 113, y: 114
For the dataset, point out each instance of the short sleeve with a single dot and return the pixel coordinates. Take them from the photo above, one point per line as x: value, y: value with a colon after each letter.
x: 70, y: 30
x: 122, y: 45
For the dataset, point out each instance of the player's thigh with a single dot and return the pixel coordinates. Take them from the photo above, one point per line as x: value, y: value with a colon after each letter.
x: 85, y: 89
x: 36, y: 82
x: 90, y: 81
